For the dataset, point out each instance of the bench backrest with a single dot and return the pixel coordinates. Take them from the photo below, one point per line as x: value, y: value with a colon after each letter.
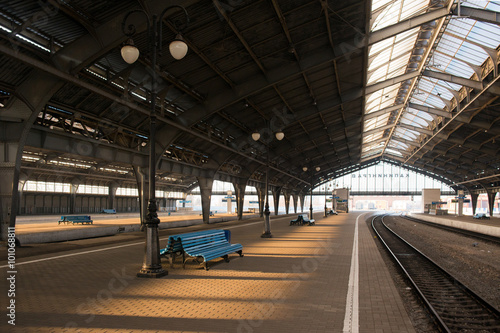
x: 189, y: 241
x: 177, y: 242
x: 75, y: 218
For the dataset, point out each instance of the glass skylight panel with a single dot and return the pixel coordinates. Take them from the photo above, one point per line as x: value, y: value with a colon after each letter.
x: 486, y: 34
x: 376, y: 4
x: 460, y: 26
x: 381, y: 46
x: 412, y: 119
x: 398, y: 145
x: 471, y: 53
x: 435, y: 102
x: 378, y: 75
x: 397, y: 11
x: 495, y: 6
x: 393, y: 152
x: 459, y: 68
x: 412, y: 8
x: 444, y: 88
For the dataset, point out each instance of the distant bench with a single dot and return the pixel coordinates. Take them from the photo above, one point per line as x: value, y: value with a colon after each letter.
x: 83, y: 219
x: 201, y: 246
x: 109, y: 211
x: 211, y: 213
x: 301, y: 220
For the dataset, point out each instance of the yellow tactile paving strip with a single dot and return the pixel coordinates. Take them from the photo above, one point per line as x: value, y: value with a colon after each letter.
x: 294, y: 282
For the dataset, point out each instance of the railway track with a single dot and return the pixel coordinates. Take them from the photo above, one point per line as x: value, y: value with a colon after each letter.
x: 456, y: 308
x: 468, y: 233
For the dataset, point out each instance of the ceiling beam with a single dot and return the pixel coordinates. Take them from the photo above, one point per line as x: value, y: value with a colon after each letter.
x: 477, y: 14
x: 405, y: 141
x: 383, y: 111
x: 453, y: 79
x: 430, y: 110
x: 408, y: 24
x: 378, y: 129
x: 387, y: 83
x: 417, y: 129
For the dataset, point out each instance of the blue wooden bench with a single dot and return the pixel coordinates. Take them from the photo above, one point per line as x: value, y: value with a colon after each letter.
x: 301, y: 220
x: 83, y: 219
x: 201, y: 246
x: 174, y: 246
x: 109, y: 211
x: 305, y: 220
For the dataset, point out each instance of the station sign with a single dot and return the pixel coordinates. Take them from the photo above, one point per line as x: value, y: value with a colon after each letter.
x: 439, y: 202
x: 184, y: 201
x: 253, y: 202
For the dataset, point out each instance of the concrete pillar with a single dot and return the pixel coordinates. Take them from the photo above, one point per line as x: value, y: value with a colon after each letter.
x: 491, y: 200
x: 239, y: 188
x: 112, y: 195
x: 473, y: 200
x: 295, y: 202
x: 286, y: 195
x: 302, y: 201
x: 206, y: 196
x: 72, y: 195
x: 10, y: 164
x: 276, y: 199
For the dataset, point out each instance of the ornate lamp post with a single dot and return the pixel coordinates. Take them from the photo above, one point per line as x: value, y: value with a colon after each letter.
x: 267, y: 223
x: 151, y: 267
x: 311, y: 204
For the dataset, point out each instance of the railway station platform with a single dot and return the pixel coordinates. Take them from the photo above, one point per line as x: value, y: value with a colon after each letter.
x: 45, y: 228
x: 489, y: 227
x: 329, y: 277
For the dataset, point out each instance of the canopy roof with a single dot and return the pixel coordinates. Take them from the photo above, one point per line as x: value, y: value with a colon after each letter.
x: 350, y: 83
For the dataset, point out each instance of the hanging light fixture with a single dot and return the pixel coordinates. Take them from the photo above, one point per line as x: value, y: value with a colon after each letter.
x: 178, y: 48
x: 255, y: 136
x: 279, y: 135
x: 129, y: 52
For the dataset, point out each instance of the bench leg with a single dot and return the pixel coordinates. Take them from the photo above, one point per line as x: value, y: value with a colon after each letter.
x: 226, y: 258
x: 171, y: 259
x: 240, y: 252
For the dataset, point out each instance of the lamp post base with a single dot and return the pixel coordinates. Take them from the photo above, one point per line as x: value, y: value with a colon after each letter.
x: 266, y: 235
x: 152, y: 273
